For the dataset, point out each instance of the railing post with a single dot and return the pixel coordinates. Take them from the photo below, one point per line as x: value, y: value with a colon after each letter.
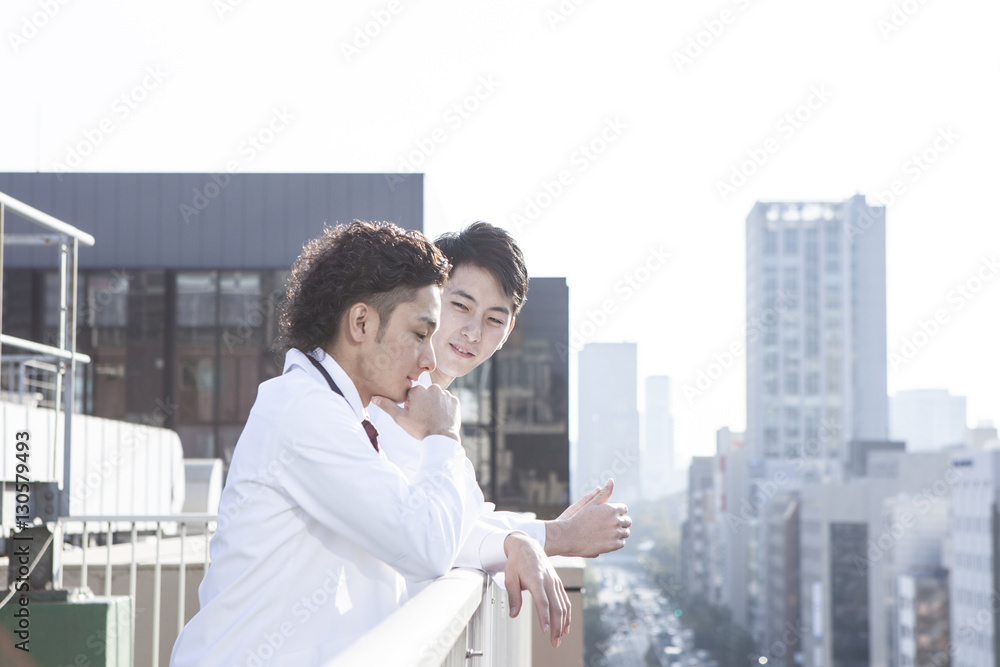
x: 181, y: 575
x: 83, y: 566
x: 107, y: 565
x: 156, y: 599
x: 132, y: 573
x: 70, y: 386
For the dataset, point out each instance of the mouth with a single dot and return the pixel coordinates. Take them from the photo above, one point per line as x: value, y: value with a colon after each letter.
x: 461, y: 351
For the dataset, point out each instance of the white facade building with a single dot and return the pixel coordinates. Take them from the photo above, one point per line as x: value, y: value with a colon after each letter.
x: 927, y: 419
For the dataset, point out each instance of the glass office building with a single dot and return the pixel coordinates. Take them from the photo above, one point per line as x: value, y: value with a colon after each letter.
x: 178, y: 312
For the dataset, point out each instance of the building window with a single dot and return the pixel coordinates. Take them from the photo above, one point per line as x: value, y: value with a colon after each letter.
x: 770, y: 362
x: 833, y: 374
x: 812, y: 384
x: 770, y: 242
x: 791, y: 241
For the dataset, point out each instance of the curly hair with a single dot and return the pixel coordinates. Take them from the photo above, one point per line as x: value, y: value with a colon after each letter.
x: 377, y: 263
x: 492, y: 248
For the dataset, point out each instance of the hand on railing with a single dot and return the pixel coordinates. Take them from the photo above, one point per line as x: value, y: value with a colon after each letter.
x: 528, y: 568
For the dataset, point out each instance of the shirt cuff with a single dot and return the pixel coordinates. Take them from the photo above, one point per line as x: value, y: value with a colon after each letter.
x: 491, y: 551
x: 535, y: 529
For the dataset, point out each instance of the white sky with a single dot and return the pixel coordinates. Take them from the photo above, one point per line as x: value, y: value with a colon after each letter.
x: 556, y: 87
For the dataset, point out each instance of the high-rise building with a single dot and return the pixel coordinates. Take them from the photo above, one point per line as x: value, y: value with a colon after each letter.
x: 927, y: 419
x: 697, y: 532
x: 734, y: 513
x: 658, y: 455
x: 856, y: 538
x: 974, y: 529
x: 816, y: 336
x: 608, y: 440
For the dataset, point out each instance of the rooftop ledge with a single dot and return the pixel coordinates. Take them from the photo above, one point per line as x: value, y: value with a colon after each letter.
x: 460, y: 615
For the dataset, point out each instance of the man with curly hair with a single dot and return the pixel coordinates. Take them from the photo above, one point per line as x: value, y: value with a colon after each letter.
x: 317, y: 529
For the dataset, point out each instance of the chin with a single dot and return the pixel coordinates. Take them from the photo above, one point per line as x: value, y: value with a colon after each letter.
x: 458, y: 370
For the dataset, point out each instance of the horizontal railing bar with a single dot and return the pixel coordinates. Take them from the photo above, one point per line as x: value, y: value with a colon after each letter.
x: 31, y: 345
x: 33, y: 239
x: 424, y: 630
x: 174, y: 518
x: 32, y: 214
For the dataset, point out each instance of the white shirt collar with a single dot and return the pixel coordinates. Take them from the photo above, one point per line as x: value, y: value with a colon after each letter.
x: 296, y: 357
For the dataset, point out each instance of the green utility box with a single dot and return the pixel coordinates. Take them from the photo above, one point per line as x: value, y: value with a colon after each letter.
x: 87, y: 632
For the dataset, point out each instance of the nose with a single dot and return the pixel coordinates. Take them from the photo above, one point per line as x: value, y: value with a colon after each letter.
x: 427, y: 361
x: 473, y: 331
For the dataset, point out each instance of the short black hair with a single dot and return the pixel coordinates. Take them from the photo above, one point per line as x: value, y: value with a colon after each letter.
x: 377, y: 263
x: 492, y: 248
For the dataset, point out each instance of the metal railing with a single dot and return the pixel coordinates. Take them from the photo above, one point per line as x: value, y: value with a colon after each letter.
x: 68, y: 239
x: 144, y: 547
x: 459, y: 620
x: 24, y: 379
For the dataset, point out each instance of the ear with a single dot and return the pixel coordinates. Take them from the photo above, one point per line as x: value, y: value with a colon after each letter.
x: 509, y: 329
x: 361, y: 322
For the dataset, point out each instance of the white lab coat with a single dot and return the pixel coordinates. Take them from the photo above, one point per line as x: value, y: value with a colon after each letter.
x: 317, y: 530
x: 483, y: 549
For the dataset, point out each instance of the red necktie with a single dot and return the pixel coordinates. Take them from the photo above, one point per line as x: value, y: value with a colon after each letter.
x: 372, y: 432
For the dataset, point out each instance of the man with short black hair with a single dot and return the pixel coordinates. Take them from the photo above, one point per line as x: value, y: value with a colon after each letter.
x: 317, y: 529
x: 486, y: 288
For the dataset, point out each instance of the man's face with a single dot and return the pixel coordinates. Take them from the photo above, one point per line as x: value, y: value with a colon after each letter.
x: 476, y: 317
x: 403, y: 351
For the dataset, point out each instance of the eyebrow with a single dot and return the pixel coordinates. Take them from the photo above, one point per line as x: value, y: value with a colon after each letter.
x: 462, y: 293
x: 429, y: 320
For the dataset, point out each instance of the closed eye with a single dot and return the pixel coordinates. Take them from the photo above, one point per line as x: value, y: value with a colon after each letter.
x: 459, y: 304
x: 497, y: 322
